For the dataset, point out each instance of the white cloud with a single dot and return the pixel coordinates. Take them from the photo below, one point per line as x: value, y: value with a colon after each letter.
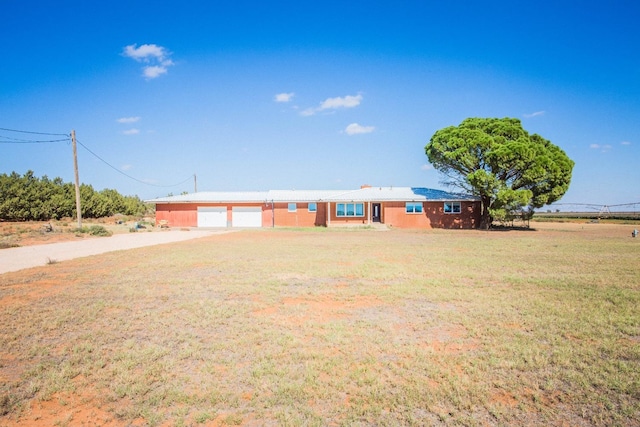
x: 355, y: 128
x: 626, y: 143
x: 426, y: 167
x: 126, y: 167
x: 145, y: 52
x: 338, y: 102
x: 604, y: 148
x: 348, y: 101
x: 131, y: 132
x: 154, y: 71
x: 128, y: 119
x: 536, y: 114
x: 284, y: 97
x: 156, y: 56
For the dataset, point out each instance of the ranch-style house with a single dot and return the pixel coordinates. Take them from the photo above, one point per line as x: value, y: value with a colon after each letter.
x: 401, y: 207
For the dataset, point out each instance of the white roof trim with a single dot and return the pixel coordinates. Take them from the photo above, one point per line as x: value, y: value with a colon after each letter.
x: 367, y: 194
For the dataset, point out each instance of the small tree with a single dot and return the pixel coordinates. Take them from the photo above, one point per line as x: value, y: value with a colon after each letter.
x: 498, y: 161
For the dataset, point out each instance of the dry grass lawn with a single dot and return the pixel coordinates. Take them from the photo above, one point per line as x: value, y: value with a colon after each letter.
x: 331, y: 327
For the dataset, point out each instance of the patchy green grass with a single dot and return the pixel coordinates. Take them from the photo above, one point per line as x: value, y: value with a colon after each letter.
x: 341, y: 327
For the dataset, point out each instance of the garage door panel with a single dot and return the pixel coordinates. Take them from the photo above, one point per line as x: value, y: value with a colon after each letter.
x: 212, y: 216
x: 246, y: 216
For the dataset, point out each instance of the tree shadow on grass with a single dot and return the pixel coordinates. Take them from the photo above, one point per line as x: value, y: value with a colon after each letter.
x: 511, y: 228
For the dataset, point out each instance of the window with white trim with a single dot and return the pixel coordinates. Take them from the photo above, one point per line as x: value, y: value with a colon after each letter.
x: 312, y: 207
x: 349, y: 209
x: 413, y: 208
x: 452, y: 207
x: 292, y: 207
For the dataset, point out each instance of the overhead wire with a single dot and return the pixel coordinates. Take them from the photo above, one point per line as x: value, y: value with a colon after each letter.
x: 35, y: 133
x: 14, y: 140
x: 67, y: 138
x: 10, y: 140
x: 127, y: 175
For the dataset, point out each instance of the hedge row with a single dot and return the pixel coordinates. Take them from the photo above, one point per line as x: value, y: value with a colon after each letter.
x: 29, y: 198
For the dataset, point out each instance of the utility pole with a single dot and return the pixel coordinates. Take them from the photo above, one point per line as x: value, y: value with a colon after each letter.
x: 195, y: 183
x: 75, y: 170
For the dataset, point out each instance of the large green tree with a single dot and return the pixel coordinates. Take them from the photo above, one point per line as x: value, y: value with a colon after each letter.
x: 502, y: 164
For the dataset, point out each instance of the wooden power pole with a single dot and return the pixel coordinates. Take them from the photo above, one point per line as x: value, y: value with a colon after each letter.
x: 195, y: 183
x: 75, y: 170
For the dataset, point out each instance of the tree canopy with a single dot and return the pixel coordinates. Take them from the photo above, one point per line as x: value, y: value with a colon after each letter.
x: 29, y: 198
x: 502, y: 164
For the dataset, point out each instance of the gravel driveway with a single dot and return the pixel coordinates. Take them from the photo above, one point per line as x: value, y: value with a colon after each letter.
x: 14, y: 259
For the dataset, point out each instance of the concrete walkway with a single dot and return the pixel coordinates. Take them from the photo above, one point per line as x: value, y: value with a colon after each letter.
x: 14, y: 259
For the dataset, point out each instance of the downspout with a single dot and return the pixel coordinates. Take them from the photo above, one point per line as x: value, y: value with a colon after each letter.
x: 273, y: 215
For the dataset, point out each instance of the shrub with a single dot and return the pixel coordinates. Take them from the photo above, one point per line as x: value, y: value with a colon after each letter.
x: 94, y: 230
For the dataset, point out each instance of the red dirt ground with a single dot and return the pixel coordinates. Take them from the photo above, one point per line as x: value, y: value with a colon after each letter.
x: 84, y: 409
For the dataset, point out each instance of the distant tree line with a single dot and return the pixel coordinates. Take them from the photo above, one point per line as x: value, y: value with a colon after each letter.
x: 29, y: 198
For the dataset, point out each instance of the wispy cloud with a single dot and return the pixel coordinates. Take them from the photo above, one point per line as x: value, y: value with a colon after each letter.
x: 602, y: 147
x: 126, y: 167
x: 156, y: 57
x: 536, y: 114
x: 284, y: 97
x: 625, y: 143
x: 348, y: 101
x: 128, y: 119
x: 426, y: 167
x: 131, y: 131
x: 355, y: 129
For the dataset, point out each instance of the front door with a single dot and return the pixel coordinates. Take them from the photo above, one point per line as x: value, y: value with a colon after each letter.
x: 375, y: 215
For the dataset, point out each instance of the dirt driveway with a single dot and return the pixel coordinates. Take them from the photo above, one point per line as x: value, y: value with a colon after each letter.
x: 14, y: 259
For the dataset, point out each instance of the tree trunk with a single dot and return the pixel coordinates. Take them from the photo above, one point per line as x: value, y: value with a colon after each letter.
x: 485, y: 216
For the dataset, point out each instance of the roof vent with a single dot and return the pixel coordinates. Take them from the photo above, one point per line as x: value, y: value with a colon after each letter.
x: 365, y: 186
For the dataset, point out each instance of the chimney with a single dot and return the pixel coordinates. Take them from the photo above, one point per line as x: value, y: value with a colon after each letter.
x: 365, y: 186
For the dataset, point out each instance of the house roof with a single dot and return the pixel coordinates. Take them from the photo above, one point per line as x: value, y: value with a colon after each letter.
x: 214, y: 196
x: 300, y: 195
x: 366, y: 194
x: 399, y: 194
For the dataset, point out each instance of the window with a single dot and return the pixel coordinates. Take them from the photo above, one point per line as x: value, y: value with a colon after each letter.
x: 312, y: 207
x: 413, y: 207
x: 452, y: 207
x: 349, y: 209
x: 292, y: 207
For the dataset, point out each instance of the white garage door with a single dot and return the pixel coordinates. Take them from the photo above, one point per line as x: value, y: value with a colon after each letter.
x: 246, y: 217
x: 212, y: 217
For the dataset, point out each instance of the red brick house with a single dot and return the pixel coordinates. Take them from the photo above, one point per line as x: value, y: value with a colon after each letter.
x: 401, y: 207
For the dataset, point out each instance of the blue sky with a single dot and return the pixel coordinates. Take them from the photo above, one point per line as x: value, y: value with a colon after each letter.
x: 253, y: 95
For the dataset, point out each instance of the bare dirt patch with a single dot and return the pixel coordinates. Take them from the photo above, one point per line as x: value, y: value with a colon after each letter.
x: 14, y: 234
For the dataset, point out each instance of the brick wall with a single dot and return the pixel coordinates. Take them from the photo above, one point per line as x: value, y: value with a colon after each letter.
x: 394, y: 214
x: 469, y: 217
x: 300, y: 218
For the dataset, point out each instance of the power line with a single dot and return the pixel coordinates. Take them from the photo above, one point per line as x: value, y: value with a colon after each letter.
x: 35, y: 133
x: 127, y: 175
x: 29, y: 141
x: 67, y: 137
